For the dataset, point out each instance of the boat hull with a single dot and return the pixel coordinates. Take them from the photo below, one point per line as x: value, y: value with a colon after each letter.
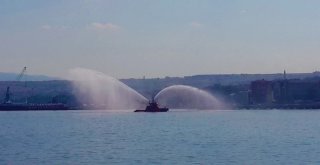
x: 32, y: 107
x: 158, y: 110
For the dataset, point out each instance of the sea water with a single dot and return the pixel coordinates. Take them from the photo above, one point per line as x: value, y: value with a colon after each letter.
x: 177, y: 137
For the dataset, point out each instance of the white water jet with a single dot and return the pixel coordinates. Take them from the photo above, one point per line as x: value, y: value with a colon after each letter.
x: 182, y: 96
x: 96, y: 89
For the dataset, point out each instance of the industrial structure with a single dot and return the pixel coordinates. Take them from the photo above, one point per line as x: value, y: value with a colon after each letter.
x: 10, y: 105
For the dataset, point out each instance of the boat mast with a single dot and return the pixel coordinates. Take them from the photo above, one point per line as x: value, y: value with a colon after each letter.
x: 7, y: 98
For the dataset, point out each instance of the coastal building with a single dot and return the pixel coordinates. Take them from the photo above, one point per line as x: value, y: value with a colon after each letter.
x: 285, y: 91
x: 296, y: 91
x: 261, y: 92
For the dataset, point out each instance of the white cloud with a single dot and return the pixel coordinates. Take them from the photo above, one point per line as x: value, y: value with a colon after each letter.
x: 243, y: 11
x: 46, y: 27
x: 105, y: 26
x: 196, y: 24
x: 50, y: 27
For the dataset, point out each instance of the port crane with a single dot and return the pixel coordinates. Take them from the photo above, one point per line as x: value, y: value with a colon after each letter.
x: 7, y: 99
x: 24, y: 70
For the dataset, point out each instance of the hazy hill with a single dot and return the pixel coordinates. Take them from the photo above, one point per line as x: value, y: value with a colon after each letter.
x: 44, y: 91
x: 203, y: 81
x: 13, y: 77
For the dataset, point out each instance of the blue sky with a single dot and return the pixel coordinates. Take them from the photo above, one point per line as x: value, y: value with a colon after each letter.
x: 135, y: 38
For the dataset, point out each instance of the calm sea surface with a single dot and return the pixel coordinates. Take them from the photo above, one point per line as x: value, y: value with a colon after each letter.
x: 176, y: 137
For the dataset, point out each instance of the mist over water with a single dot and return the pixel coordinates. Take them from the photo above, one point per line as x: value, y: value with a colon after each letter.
x: 96, y: 89
x: 182, y: 96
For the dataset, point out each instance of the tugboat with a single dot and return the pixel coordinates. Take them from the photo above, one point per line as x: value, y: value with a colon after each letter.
x: 153, y: 107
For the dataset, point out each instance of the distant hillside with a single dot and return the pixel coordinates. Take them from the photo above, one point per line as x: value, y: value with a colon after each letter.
x: 202, y: 81
x: 13, y: 77
x: 44, y: 91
